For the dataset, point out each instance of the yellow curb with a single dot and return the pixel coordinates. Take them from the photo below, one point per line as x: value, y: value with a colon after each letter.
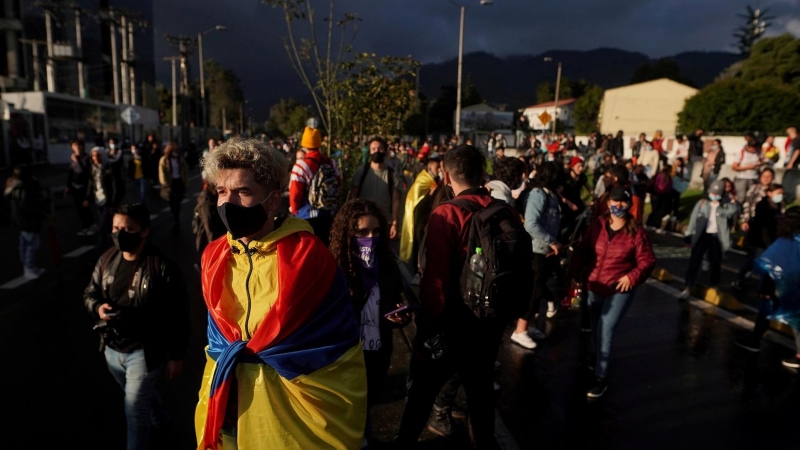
x: 782, y: 328
x: 661, y: 274
x: 717, y: 298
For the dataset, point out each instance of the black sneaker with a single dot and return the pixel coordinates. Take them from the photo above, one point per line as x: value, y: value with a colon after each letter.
x: 442, y: 423
x: 598, y: 389
x: 748, y: 344
x: 792, y: 362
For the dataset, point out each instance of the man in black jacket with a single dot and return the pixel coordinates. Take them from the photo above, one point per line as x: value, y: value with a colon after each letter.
x: 139, y: 299
x: 27, y: 213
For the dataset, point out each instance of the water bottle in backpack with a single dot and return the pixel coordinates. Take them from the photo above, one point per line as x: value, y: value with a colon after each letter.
x: 477, y: 265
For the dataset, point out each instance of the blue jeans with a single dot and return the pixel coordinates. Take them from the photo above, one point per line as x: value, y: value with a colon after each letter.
x: 143, y: 405
x: 141, y: 188
x: 28, y: 245
x: 605, y: 313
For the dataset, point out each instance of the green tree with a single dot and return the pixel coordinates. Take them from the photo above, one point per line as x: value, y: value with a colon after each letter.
x: 224, y: 93
x: 318, y: 55
x: 737, y: 106
x: 378, y: 94
x: 775, y: 59
x: 442, y: 111
x: 663, y: 68
x: 287, y: 117
x: 587, y: 109
x: 756, y: 24
x: 546, y: 92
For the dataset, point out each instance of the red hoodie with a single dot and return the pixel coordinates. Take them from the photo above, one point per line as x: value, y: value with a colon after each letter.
x: 606, y: 260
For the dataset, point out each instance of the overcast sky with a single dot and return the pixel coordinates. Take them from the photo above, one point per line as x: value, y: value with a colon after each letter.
x: 428, y: 30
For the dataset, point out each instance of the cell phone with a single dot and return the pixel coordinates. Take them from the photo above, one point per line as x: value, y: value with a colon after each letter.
x: 401, y: 309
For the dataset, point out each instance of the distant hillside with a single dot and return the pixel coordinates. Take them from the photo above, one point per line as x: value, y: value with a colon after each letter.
x: 513, y: 80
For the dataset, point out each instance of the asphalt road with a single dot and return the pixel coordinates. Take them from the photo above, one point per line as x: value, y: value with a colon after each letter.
x: 676, y: 379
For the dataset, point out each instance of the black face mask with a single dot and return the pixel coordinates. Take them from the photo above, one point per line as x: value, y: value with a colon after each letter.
x: 243, y: 221
x: 378, y: 157
x: 126, y: 242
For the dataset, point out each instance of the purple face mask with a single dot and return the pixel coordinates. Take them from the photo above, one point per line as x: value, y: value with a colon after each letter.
x: 368, y: 261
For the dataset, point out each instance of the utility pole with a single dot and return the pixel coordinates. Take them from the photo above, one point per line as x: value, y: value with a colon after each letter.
x: 174, y: 89
x: 460, y: 60
x: 131, y: 64
x: 185, y: 45
x: 37, y: 85
x: 114, y: 59
x: 51, y: 68
x: 558, y: 85
x: 241, y: 118
x: 82, y: 91
x: 123, y: 34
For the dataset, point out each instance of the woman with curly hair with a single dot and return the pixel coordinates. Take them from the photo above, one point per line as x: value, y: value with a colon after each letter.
x: 360, y: 243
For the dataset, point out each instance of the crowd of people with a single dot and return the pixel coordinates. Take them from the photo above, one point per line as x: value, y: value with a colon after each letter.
x: 302, y: 305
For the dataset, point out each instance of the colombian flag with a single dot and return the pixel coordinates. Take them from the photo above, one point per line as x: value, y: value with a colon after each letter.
x: 419, y: 189
x: 299, y: 380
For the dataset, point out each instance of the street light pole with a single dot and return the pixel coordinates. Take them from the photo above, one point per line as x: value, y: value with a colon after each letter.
x: 460, y: 61
x: 204, y: 119
x: 558, y: 85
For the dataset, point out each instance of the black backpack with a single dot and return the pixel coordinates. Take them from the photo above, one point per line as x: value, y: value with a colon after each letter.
x: 508, y: 281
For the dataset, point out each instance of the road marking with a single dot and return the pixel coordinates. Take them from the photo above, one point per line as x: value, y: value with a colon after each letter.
x: 683, y: 282
x: 728, y: 316
x: 15, y: 283
x: 79, y: 251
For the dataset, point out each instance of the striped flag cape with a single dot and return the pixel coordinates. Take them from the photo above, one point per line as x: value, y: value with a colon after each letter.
x: 299, y: 381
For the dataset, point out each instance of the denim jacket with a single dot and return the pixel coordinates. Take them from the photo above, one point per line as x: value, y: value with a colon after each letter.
x: 699, y: 220
x: 542, y: 219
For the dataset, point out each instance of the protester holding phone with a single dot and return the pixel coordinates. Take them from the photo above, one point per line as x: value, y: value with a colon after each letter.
x: 139, y: 297
x: 614, y: 257
x: 360, y: 243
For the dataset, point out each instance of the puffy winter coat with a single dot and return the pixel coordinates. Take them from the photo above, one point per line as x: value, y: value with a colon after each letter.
x: 602, y: 261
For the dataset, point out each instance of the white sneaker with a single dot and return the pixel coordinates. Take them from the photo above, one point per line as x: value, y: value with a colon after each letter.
x: 684, y: 294
x: 523, y: 340
x: 31, y: 273
x: 551, y: 309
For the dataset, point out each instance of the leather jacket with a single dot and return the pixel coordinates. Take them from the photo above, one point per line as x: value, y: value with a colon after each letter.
x: 158, y: 308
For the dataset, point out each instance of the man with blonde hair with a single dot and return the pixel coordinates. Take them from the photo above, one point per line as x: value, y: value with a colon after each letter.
x: 285, y: 368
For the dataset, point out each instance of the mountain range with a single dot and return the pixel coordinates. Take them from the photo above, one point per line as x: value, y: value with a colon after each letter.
x: 513, y: 80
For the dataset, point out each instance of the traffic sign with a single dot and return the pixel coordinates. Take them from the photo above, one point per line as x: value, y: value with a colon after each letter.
x: 130, y: 116
x: 545, y: 118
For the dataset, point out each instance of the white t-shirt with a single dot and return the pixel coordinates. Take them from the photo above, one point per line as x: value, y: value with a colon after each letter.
x: 370, y: 321
x: 748, y: 159
x: 711, y: 226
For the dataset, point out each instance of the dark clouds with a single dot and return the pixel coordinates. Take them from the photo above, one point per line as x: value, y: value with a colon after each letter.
x: 428, y: 30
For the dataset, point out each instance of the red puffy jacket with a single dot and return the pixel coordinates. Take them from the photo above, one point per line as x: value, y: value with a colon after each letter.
x: 606, y: 260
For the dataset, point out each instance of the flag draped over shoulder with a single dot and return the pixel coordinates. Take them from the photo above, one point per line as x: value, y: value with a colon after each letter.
x: 419, y: 189
x: 781, y: 262
x: 300, y: 377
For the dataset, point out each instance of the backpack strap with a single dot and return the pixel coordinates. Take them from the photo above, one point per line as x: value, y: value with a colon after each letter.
x: 364, y: 172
